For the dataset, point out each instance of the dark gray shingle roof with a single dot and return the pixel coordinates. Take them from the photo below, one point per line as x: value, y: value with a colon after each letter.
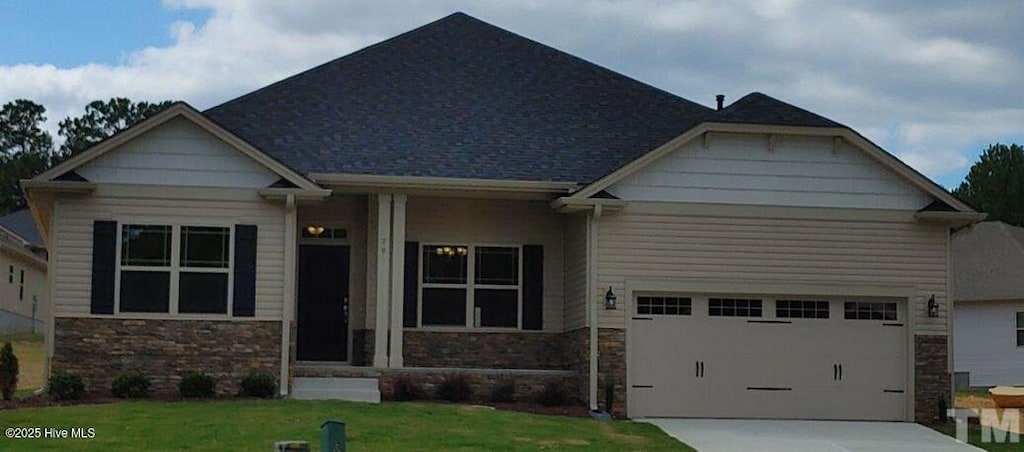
x: 459, y: 98
x: 462, y: 98
x: 22, y: 224
x: 758, y: 108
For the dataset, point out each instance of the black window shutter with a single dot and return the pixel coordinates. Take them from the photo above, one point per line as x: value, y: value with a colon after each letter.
x: 533, y: 287
x: 104, y: 260
x: 244, y: 303
x: 412, y: 266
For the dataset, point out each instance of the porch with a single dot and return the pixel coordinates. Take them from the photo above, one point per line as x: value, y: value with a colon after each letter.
x: 474, y: 286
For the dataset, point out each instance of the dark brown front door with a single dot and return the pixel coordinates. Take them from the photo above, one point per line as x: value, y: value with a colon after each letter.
x: 323, y: 303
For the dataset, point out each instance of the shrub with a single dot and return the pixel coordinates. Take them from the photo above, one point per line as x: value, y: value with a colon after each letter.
x: 504, y: 391
x: 258, y: 385
x: 130, y: 386
x: 406, y: 389
x: 65, y: 386
x: 196, y: 385
x: 454, y: 388
x: 8, y: 371
x: 554, y: 393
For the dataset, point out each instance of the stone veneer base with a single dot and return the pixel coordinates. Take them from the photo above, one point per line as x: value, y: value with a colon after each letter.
x: 99, y: 350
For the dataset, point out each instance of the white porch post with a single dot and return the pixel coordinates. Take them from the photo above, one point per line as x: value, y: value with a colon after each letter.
x: 288, y: 313
x: 382, y: 285
x: 397, y: 280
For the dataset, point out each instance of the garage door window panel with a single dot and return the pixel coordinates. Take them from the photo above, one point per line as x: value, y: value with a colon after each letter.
x: 663, y: 306
x: 870, y: 310
x: 734, y: 307
x: 801, y: 309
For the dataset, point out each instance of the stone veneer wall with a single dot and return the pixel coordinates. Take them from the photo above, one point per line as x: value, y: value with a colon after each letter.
x: 518, y: 350
x: 576, y: 350
x: 99, y: 350
x: 931, y: 378
x: 611, y: 364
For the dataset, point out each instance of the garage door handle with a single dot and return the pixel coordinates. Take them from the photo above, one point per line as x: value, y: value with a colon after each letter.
x: 840, y: 372
x: 698, y: 369
x: 835, y: 371
x: 702, y: 369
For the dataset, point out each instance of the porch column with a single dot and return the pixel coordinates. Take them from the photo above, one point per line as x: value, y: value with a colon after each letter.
x: 397, y: 279
x: 382, y: 285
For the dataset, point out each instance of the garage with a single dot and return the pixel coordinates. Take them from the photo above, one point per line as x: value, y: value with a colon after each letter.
x: 779, y: 357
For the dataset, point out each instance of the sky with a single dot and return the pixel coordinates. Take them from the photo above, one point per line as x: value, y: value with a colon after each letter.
x: 932, y: 81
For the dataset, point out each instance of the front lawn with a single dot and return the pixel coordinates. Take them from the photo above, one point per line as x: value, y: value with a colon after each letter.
x: 257, y: 424
x: 29, y: 350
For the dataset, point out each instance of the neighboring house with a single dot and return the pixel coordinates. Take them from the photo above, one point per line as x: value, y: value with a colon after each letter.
x: 988, y: 325
x: 24, y: 290
x: 462, y: 199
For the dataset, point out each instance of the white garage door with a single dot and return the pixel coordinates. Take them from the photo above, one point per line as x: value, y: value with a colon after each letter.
x: 767, y: 357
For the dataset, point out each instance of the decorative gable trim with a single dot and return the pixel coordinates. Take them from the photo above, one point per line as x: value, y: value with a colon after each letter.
x: 179, y: 109
x: 706, y: 129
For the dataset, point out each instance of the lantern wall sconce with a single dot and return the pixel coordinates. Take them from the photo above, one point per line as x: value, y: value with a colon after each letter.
x: 609, y: 299
x: 933, y: 307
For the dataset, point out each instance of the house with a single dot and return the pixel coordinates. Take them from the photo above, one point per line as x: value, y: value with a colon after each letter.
x: 462, y: 199
x: 988, y: 288
x: 24, y: 289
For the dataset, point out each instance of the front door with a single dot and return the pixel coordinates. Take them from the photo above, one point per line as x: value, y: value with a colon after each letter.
x: 323, y: 303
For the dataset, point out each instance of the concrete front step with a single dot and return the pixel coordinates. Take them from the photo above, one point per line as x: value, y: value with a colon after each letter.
x: 325, y: 388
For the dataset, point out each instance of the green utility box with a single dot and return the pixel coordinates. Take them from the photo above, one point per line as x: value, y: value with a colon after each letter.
x: 332, y: 436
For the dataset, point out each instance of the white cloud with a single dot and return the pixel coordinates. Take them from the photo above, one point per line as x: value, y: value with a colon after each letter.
x: 921, y: 79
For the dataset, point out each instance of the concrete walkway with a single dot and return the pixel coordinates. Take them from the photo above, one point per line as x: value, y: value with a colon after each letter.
x: 728, y: 435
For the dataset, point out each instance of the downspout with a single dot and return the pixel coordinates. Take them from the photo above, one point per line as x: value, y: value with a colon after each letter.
x: 289, y: 289
x: 593, y: 311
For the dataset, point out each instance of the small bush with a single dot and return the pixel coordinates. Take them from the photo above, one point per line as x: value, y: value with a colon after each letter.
x: 504, y: 392
x: 65, y: 386
x: 8, y: 371
x: 406, y: 389
x: 258, y: 385
x: 454, y: 388
x: 130, y: 386
x: 196, y: 385
x: 554, y: 393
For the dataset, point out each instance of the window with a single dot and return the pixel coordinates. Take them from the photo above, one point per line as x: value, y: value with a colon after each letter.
x: 870, y: 310
x: 491, y: 296
x: 734, y: 307
x: 801, y: 309
x: 1020, y: 329
x: 663, y: 306
x: 196, y: 278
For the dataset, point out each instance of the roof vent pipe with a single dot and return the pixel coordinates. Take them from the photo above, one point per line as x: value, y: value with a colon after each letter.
x: 720, y: 98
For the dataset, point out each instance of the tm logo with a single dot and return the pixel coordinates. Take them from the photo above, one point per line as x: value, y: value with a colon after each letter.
x: 995, y: 428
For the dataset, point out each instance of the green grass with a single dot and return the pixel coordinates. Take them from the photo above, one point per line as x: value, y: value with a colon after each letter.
x: 256, y: 425
x: 974, y: 437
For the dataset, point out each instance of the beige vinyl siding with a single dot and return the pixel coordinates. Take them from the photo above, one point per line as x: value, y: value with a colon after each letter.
x: 35, y: 285
x: 779, y: 171
x: 178, y: 153
x: 575, y: 272
x: 74, y: 219
x: 495, y: 222
x: 649, y: 243
x: 348, y: 212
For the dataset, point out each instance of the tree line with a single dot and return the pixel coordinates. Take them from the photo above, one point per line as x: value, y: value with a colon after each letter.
x: 27, y: 149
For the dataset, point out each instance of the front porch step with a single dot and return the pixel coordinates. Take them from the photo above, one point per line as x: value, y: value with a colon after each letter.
x: 327, y: 388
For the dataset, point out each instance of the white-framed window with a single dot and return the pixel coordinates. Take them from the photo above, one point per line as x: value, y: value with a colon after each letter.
x: 734, y: 307
x: 651, y: 305
x: 174, y: 269
x: 472, y: 286
x: 1020, y: 329
x: 870, y: 310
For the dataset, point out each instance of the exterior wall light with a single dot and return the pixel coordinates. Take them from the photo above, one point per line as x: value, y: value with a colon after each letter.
x: 609, y: 299
x: 933, y: 307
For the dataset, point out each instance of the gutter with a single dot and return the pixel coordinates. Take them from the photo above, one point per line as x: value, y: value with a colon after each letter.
x: 954, y: 219
x: 569, y: 205
x: 291, y: 195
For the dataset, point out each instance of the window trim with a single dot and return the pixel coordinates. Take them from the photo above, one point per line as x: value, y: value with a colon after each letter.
x: 1018, y: 328
x: 175, y: 269
x: 470, y: 287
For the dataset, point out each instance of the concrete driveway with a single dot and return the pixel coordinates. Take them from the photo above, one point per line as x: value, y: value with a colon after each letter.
x: 728, y: 435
